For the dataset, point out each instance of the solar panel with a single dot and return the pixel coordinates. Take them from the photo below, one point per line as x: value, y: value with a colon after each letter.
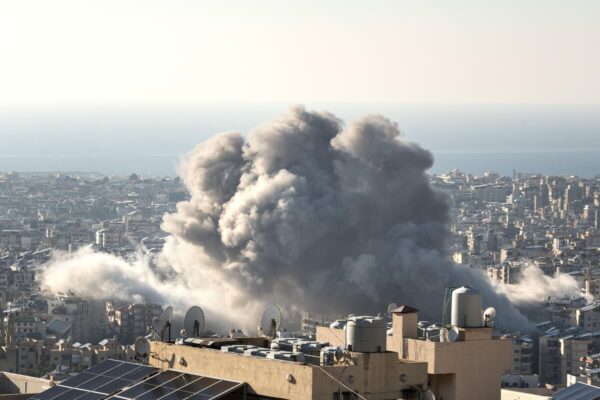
x: 50, y: 393
x: 139, y: 373
x: 103, y: 367
x: 121, y: 370
x: 156, y: 393
x: 181, y: 381
x: 198, y: 396
x: 77, y: 379
x: 91, y: 396
x: 72, y: 394
x: 106, y: 378
x: 178, y: 395
x: 113, y: 386
x: 109, y: 378
x: 221, y: 387
x: 136, y: 390
x: 200, y: 384
x: 163, y: 377
x: 95, y: 383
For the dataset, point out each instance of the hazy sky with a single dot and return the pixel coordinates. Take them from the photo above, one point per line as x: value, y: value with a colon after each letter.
x: 64, y: 52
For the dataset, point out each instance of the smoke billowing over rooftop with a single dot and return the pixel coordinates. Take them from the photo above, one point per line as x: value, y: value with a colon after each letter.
x: 308, y: 213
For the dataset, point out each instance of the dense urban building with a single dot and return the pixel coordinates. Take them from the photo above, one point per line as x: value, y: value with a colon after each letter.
x: 42, y: 214
x: 504, y: 226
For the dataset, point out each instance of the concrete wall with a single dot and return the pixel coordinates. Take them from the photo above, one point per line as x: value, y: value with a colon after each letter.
x: 14, y: 383
x: 476, y: 364
x: 443, y: 386
x: 375, y: 375
x: 335, y: 337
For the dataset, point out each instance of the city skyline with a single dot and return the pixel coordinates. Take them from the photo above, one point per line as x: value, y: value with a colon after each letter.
x: 300, y: 200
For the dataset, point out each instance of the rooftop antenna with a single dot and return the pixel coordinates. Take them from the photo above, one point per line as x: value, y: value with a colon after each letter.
x: 142, y: 347
x: 194, y: 320
x: 270, y: 321
x: 165, y: 323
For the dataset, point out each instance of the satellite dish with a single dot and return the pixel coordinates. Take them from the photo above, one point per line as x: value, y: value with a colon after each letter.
x: 391, y: 308
x: 270, y: 321
x: 142, y: 347
x: 165, y: 323
x: 167, y: 316
x: 194, y: 320
x: 489, y: 314
x: 453, y: 334
x: 156, y: 324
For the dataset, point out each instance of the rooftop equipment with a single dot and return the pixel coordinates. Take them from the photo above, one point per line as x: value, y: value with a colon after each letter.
x: 237, y: 348
x: 142, y: 347
x: 286, y: 356
x: 194, y: 321
x: 338, y: 324
x: 366, y: 334
x: 422, y: 329
x: 257, y: 352
x: 489, y: 315
x: 162, y: 325
x: 270, y: 321
x: 467, y: 308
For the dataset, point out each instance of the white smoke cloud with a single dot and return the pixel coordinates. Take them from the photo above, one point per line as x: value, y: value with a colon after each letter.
x: 306, y: 213
x: 101, y: 276
x: 535, y: 287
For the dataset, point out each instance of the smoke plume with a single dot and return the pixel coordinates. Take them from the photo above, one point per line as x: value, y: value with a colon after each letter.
x: 307, y: 213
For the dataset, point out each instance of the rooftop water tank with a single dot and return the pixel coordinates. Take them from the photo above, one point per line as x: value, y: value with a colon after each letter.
x: 366, y: 334
x: 467, y: 306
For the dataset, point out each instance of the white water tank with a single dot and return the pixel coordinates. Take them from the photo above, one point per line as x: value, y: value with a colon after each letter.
x: 467, y: 306
x: 366, y: 334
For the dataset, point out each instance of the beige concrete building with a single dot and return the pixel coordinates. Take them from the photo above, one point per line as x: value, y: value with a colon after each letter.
x: 468, y: 368
x: 588, y: 317
x: 550, y: 360
x: 15, y: 386
x: 522, y: 356
x: 573, y: 350
x: 372, y: 375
